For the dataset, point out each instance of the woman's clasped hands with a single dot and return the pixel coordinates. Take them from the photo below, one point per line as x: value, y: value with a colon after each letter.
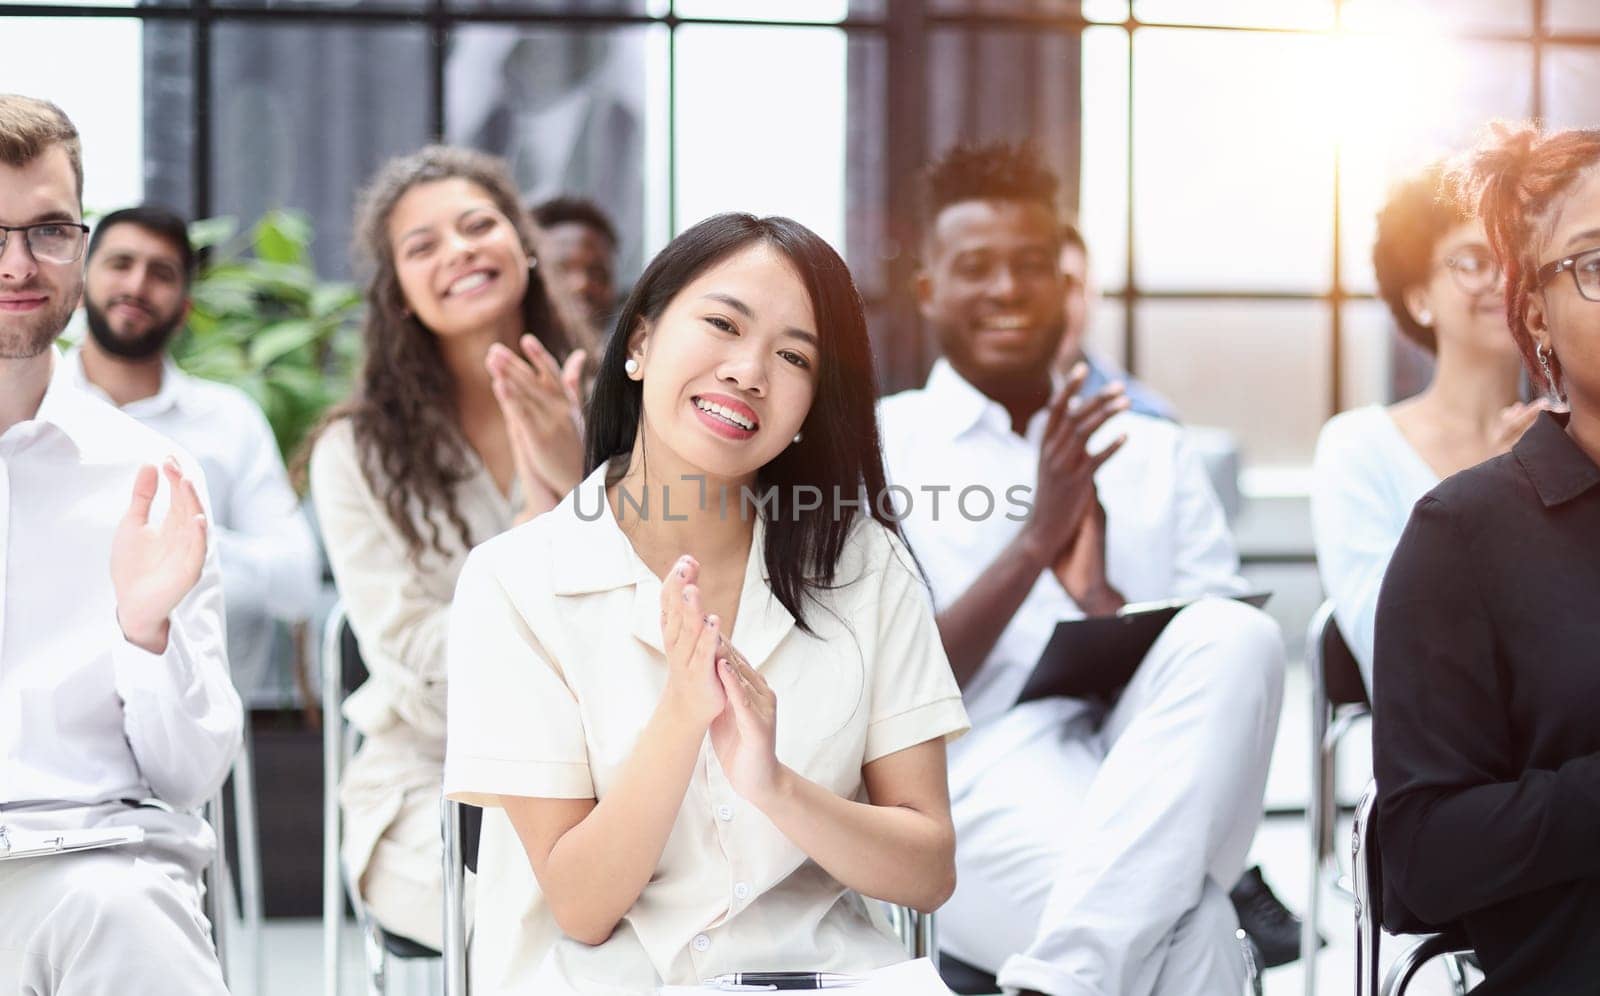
x: 712, y: 686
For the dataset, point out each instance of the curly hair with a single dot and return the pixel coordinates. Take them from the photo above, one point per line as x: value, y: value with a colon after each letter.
x: 1518, y: 177
x: 986, y: 171
x: 414, y: 452
x: 1419, y: 211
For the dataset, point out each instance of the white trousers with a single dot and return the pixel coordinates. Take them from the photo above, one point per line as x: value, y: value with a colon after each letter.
x: 118, y: 920
x: 1096, y: 859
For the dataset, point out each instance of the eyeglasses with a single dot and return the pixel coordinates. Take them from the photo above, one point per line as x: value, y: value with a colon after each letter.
x: 1585, y: 270
x: 1474, y: 269
x: 49, y: 241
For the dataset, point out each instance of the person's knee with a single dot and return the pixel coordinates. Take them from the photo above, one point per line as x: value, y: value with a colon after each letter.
x: 1244, y: 645
x: 125, y: 899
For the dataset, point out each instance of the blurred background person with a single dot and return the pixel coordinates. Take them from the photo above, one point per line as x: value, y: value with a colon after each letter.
x: 460, y: 426
x: 564, y: 110
x: 1097, y: 841
x: 1484, y: 740
x: 1081, y: 301
x: 135, y: 299
x: 1443, y: 286
x: 578, y: 245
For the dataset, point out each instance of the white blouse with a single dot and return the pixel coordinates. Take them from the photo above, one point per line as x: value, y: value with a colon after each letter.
x: 1365, y: 478
x: 556, y: 664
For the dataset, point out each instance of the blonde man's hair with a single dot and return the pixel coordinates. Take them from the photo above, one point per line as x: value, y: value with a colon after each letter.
x: 29, y: 127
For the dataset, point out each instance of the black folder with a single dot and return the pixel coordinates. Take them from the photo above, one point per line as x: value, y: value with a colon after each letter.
x: 1096, y: 657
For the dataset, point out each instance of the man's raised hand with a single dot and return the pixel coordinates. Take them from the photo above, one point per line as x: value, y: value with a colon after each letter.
x: 154, y: 566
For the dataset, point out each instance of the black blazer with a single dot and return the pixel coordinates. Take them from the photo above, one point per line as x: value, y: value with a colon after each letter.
x: 1486, y: 712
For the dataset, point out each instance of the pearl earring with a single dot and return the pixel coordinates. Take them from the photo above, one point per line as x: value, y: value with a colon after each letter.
x: 797, y: 436
x: 1425, y: 319
x: 631, y: 365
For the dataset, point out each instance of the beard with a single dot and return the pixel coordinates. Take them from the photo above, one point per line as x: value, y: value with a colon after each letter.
x: 24, y: 337
x: 140, y: 347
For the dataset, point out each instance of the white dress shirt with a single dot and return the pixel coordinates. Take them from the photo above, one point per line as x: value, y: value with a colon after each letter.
x: 85, y: 716
x: 1166, y: 534
x: 556, y: 664
x: 1364, y: 479
x: 270, y: 567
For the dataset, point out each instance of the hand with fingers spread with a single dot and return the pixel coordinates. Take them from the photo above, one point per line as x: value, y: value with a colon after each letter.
x: 541, y: 406
x: 745, y: 735
x: 1515, y: 420
x: 690, y: 638
x: 154, y: 566
x: 1065, y: 492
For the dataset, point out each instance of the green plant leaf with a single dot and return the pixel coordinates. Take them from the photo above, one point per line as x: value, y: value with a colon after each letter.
x: 280, y: 339
x: 283, y: 237
x: 264, y: 322
x: 331, y: 300
x: 208, y: 232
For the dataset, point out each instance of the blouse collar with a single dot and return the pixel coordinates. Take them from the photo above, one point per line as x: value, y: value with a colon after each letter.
x: 1558, y: 468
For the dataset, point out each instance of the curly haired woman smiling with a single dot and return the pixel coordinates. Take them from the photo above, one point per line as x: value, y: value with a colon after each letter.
x: 460, y: 425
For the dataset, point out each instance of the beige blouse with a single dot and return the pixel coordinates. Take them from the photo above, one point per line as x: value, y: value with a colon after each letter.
x: 399, y: 610
x: 556, y: 663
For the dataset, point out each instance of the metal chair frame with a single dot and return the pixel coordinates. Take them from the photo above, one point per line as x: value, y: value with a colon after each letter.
x: 216, y: 879
x: 1331, y: 721
x: 339, y: 742
x: 915, y: 929
x: 1368, y: 880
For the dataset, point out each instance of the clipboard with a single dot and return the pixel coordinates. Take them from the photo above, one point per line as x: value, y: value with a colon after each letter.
x: 16, y: 842
x: 1095, y: 657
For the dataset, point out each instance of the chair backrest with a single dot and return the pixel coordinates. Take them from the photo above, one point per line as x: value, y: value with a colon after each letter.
x: 471, y: 830
x: 352, y: 669
x: 1329, y: 654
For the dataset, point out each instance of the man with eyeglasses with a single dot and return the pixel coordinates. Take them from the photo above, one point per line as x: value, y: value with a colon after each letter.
x: 117, y: 717
x: 136, y: 297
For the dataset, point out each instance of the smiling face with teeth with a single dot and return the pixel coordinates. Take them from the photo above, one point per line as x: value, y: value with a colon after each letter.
x: 460, y: 262
x: 729, y: 369
x: 992, y: 291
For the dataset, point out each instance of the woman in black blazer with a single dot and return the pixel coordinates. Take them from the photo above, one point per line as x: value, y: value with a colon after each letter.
x: 1487, y: 699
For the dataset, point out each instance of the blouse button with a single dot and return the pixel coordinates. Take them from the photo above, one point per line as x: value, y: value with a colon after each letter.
x: 701, y: 942
x: 725, y: 813
x: 741, y: 890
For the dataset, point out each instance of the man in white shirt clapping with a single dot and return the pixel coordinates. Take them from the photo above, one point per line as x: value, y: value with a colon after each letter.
x: 136, y: 297
x: 1096, y: 840
x: 114, y: 687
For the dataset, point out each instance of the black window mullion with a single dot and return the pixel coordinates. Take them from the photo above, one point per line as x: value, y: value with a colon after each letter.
x: 439, y: 35
x: 200, y: 154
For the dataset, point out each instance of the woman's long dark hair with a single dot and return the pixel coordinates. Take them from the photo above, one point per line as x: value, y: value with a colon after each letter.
x: 839, y: 452
x: 402, y: 409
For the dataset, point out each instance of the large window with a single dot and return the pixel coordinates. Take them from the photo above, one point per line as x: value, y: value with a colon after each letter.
x: 1235, y: 153
x: 1225, y: 157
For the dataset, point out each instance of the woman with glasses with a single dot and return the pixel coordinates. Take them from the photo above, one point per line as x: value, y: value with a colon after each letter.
x: 1441, y: 282
x: 1485, y: 742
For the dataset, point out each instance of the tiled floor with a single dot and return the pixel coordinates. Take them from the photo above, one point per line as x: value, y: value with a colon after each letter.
x: 292, y: 950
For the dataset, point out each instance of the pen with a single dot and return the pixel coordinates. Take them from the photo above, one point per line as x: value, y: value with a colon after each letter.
x: 785, y: 980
